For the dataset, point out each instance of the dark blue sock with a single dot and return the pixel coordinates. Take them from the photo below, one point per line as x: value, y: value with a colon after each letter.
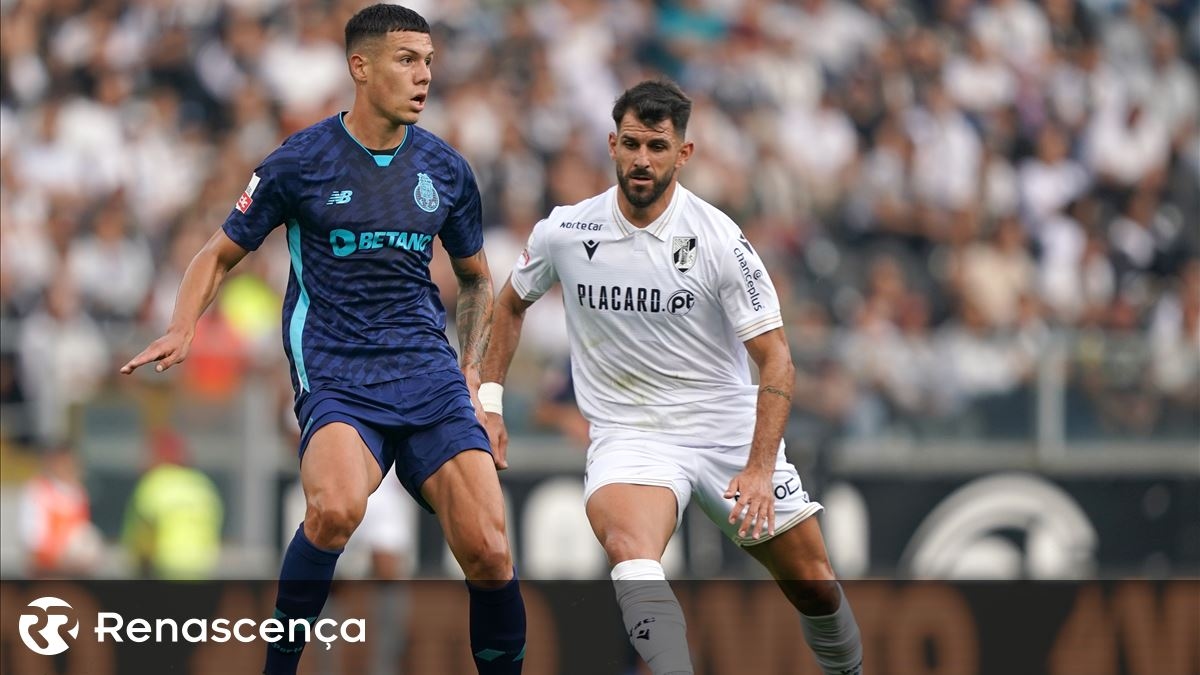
x: 498, y: 628
x: 304, y: 584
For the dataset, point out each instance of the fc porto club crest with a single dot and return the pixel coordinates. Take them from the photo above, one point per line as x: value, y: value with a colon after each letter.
x: 683, y: 252
x: 425, y: 195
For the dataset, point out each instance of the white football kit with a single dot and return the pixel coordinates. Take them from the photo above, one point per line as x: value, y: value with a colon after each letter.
x: 656, y: 319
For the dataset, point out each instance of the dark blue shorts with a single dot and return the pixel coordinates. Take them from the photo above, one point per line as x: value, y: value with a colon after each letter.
x: 416, y: 423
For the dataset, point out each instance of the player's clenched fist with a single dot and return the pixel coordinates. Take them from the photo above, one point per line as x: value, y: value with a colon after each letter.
x: 168, y: 350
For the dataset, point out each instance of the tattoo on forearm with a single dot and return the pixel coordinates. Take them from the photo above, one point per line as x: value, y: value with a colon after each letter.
x: 474, y: 319
x: 778, y: 392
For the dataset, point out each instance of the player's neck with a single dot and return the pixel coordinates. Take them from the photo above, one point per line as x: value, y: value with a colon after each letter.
x: 641, y: 217
x: 373, y: 131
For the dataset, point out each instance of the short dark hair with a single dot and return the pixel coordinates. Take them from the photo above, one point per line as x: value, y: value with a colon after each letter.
x: 379, y: 20
x: 653, y: 101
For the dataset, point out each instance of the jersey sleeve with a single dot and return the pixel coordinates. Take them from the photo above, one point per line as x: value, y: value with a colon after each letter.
x: 747, y: 294
x: 266, y: 201
x: 534, y: 273
x: 462, y: 235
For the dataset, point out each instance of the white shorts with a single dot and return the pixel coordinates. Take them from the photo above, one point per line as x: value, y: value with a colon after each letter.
x: 703, y: 472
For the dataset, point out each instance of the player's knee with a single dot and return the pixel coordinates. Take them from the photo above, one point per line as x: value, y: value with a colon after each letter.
x: 816, y: 570
x: 621, y: 546
x: 487, y: 558
x: 333, y: 522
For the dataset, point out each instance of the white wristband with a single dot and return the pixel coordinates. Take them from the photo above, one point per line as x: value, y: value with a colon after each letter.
x: 491, y: 397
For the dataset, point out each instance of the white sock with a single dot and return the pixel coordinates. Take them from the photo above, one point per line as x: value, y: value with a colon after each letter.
x: 834, y: 640
x: 652, y: 616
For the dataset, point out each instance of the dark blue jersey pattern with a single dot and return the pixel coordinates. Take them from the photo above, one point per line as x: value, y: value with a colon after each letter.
x: 361, y: 307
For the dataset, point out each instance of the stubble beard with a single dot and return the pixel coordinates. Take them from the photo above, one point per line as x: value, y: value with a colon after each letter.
x: 641, y: 200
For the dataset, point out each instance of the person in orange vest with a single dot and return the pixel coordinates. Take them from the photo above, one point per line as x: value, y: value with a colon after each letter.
x: 55, y: 519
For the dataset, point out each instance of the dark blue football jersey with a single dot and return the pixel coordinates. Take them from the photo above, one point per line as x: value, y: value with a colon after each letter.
x: 361, y: 307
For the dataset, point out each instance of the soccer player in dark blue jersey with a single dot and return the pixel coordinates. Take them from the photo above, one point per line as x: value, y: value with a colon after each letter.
x: 362, y: 195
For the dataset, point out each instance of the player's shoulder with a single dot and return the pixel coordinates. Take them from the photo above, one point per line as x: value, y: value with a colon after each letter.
x: 302, y: 144
x: 314, y: 134
x: 710, y: 222
x: 593, y: 213
x: 432, y: 144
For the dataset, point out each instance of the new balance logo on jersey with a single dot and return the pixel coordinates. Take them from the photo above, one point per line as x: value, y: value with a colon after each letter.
x: 591, y: 246
x: 340, y: 197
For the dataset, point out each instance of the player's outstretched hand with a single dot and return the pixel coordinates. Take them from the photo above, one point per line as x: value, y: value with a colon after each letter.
x: 167, y: 350
x: 754, y: 503
x: 498, y: 435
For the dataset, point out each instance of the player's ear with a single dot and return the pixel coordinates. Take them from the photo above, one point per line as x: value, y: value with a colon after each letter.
x: 358, y: 67
x: 612, y: 144
x: 685, y: 153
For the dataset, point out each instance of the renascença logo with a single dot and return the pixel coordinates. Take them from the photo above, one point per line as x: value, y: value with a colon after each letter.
x: 51, y: 633
x: 113, y: 626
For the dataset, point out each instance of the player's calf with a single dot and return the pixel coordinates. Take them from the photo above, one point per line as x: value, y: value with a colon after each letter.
x: 834, y: 638
x: 799, y: 563
x: 304, y: 582
x: 813, y: 588
x: 652, y: 617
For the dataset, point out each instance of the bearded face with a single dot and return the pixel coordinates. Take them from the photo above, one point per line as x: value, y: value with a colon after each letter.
x: 646, y: 158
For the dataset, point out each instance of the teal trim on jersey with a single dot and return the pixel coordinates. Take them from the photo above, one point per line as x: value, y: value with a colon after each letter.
x: 380, y: 160
x: 300, y: 313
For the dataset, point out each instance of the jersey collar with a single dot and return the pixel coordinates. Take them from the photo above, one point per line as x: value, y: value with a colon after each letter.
x: 380, y: 160
x: 659, y: 227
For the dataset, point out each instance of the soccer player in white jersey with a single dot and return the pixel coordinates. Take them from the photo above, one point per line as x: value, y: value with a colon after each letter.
x: 664, y: 298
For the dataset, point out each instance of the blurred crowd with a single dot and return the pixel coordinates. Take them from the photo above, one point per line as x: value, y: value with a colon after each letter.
x: 949, y: 192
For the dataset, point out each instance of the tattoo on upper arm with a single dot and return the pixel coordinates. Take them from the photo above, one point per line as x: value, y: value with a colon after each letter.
x: 778, y: 392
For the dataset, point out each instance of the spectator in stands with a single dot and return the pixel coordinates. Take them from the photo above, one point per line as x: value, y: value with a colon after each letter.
x: 1076, y: 277
x: 55, y: 519
x: 173, y: 519
x: 983, y: 368
x: 64, y: 358
x: 1114, y: 372
x: 1051, y: 180
x: 995, y: 274
x: 112, y: 267
x: 1128, y: 144
x: 1175, y: 345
